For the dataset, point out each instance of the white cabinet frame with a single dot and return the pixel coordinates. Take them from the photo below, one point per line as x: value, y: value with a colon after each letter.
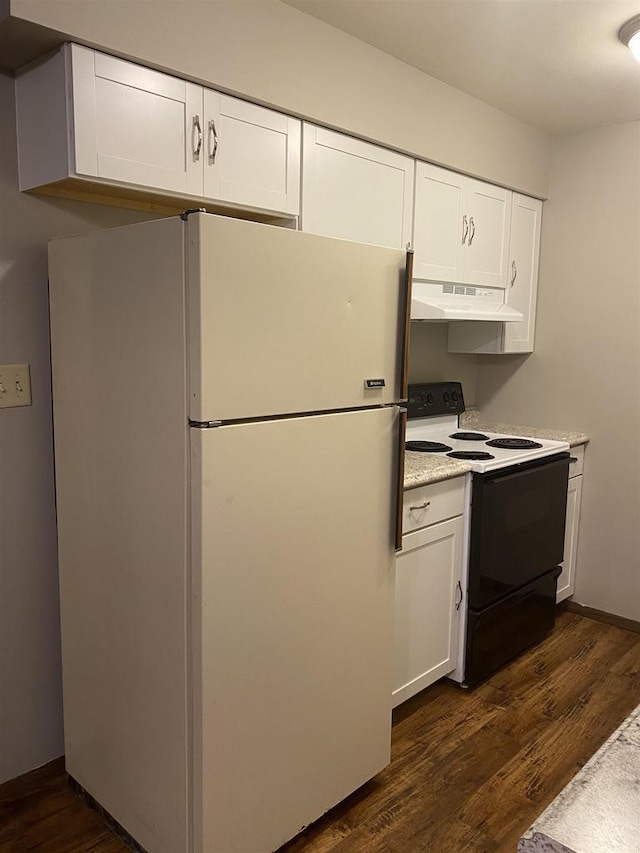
x: 461, y: 228
x: 355, y: 190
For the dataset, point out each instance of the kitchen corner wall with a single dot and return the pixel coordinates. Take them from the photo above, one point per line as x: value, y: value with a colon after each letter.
x: 585, y: 371
x: 30, y: 692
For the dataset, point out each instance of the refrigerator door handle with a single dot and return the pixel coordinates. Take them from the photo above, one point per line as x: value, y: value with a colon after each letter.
x: 405, y: 333
x: 402, y: 434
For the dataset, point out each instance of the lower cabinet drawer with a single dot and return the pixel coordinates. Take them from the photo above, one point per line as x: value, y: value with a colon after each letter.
x: 429, y: 504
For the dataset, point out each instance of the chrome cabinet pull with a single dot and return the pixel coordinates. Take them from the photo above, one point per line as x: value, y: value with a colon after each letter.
x: 472, y: 226
x: 198, y: 145
x: 213, y: 149
x: 514, y: 273
x: 459, y: 602
x: 465, y: 228
x: 422, y: 506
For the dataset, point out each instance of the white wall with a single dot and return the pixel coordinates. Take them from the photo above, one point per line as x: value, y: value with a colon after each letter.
x: 431, y: 362
x: 30, y: 692
x: 585, y: 372
x: 273, y: 53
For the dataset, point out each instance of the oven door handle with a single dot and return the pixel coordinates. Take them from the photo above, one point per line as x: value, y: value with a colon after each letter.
x: 496, y: 477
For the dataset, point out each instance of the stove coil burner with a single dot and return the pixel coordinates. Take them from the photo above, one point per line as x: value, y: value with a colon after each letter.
x: 469, y: 436
x: 514, y: 443
x: 426, y: 446
x: 471, y: 454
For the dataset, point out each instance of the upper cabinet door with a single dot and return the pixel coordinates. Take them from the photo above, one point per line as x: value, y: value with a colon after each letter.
x: 135, y: 125
x: 355, y: 190
x: 251, y: 154
x: 461, y: 229
x: 526, y: 215
x: 487, y: 255
x: 440, y: 224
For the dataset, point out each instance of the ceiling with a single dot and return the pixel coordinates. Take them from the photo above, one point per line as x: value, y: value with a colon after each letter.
x: 556, y: 64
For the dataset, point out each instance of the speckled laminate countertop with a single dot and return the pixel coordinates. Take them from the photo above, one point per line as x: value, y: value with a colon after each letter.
x: 473, y: 418
x: 423, y: 468
x: 599, y: 810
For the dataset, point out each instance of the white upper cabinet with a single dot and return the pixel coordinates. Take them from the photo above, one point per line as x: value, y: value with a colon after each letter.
x: 526, y: 216
x: 461, y: 229
x: 355, y: 190
x: 522, y: 288
x: 134, y: 125
x: 441, y: 225
x: 251, y: 154
x: 85, y: 115
x: 487, y: 247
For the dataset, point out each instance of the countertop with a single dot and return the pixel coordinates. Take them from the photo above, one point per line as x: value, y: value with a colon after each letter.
x: 599, y: 810
x: 423, y: 468
x: 473, y: 418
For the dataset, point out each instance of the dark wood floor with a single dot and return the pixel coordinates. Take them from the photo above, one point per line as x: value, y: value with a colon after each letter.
x: 470, y: 770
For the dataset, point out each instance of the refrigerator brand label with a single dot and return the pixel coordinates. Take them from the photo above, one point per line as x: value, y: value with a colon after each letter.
x: 374, y: 383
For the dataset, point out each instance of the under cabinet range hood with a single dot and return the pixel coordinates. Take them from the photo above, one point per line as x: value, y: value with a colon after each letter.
x: 430, y: 301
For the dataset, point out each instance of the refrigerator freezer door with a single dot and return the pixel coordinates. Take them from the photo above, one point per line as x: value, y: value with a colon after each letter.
x: 283, y: 322
x: 292, y: 591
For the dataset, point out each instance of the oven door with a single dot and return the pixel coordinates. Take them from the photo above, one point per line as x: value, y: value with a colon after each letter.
x: 517, y: 527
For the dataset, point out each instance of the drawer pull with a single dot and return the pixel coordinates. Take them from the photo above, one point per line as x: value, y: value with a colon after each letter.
x: 422, y: 506
x: 573, y: 459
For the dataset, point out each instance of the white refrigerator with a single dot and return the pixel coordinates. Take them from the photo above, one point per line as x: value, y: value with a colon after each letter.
x: 228, y: 447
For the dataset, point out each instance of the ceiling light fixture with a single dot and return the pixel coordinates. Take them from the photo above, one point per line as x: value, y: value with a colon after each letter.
x: 630, y: 35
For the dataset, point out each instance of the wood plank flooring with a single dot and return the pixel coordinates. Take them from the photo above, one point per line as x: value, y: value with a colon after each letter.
x: 470, y: 770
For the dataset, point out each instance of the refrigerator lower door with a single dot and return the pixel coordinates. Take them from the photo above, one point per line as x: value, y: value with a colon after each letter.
x: 292, y: 608
x: 296, y: 321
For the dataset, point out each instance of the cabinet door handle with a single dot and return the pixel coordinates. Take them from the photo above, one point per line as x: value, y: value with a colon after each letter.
x: 459, y: 601
x: 422, y: 506
x: 573, y: 459
x: 213, y: 148
x: 465, y: 228
x: 198, y: 146
x: 514, y: 273
x: 472, y: 226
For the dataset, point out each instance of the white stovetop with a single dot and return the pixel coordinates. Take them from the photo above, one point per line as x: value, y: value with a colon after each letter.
x: 441, y: 428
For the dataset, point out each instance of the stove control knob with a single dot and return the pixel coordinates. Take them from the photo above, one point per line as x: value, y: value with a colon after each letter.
x: 430, y: 399
x: 445, y: 396
x: 454, y: 396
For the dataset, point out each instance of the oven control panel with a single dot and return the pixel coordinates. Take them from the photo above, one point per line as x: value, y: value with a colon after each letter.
x: 435, y: 398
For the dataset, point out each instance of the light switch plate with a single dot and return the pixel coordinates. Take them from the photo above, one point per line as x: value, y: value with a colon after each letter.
x: 15, y: 385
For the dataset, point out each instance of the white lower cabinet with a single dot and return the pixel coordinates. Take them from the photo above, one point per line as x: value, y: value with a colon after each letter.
x: 428, y: 606
x: 567, y: 580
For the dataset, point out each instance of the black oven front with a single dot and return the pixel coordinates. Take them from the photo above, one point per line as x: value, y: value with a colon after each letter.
x: 517, y: 540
